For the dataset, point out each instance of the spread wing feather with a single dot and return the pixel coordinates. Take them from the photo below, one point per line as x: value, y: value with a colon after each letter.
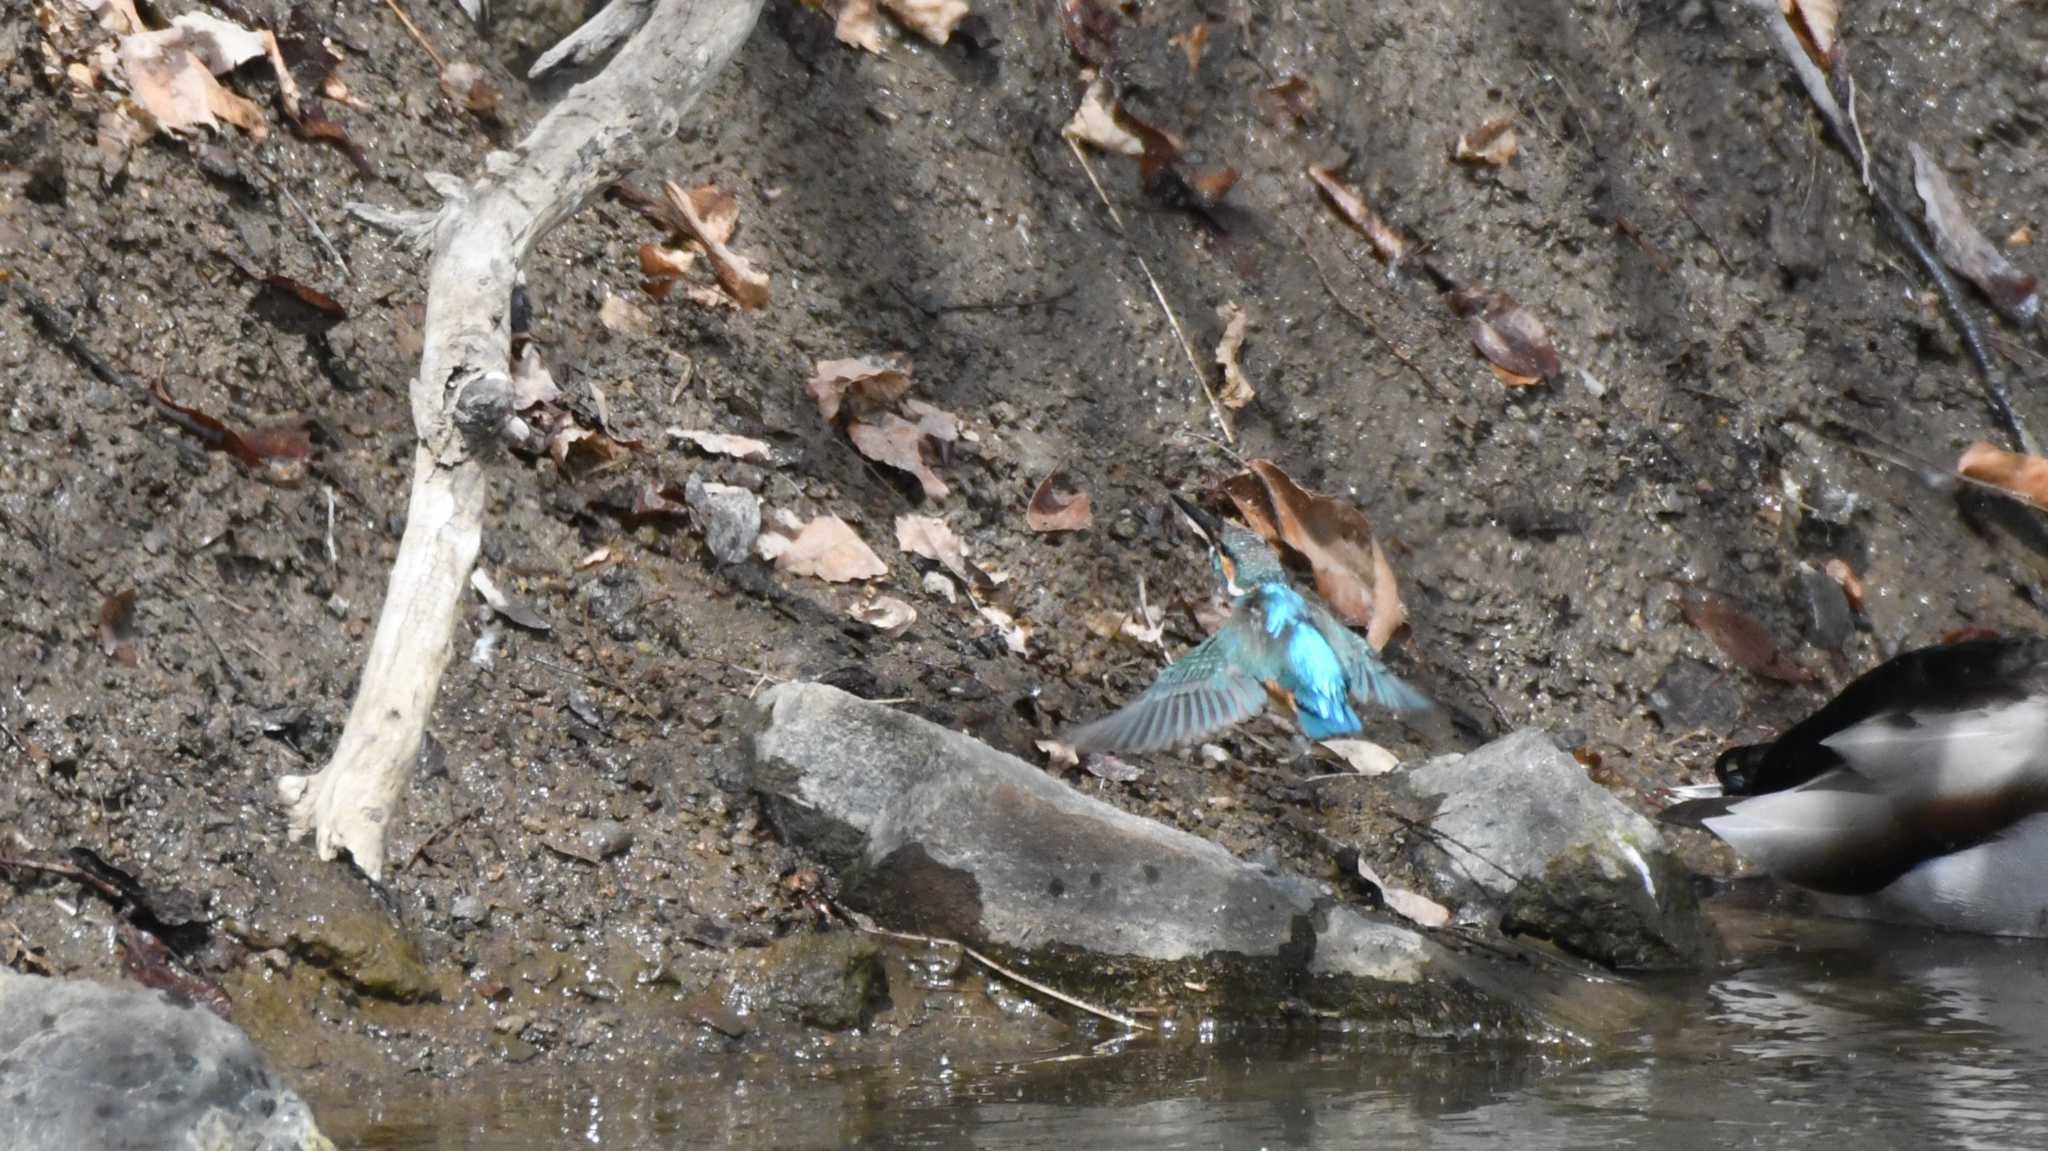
x: 1198, y: 695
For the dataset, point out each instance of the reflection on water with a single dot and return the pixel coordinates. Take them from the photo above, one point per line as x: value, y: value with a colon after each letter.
x: 1834, y: 1036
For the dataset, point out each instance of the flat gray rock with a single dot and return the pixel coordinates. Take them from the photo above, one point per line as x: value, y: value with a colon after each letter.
x: 89, y: 1066
x: 1518, y: 828
x: 935, y: 832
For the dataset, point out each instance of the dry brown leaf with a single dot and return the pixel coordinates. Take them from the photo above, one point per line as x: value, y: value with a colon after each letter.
x: 1391, y: 245
x: 1816, y: 23
x: 579, y: 450
x: 1418, y: 909
x: 117, y: 628
x: 470, y: 88
x: 1016, y: 636
x: 1838, y: 570
x: 937, y: 423
x: 898, y: 443
x: 2022, y: 475
x: 1237, y: 390
x: 1059, y: 754
x: 886, y: 614
x: 1747, y: 643
x: 623, y: 316
x: 1492, y: 143
x: 220, y: 45
x: 1059, y: 505
x: 1333, y: 537
x: 1096, y: 122
x: 2020, y: 237
x: 1508, y: 335
x: 1292, y: 100
x: 857, y: 386
x: 860, y: 24
x: 718, y: 211
x: 173, y: 85
x: 831, y: 550
x: 721, y: 444
x: 1962, y: 247
x: 1192, y: 42
x: 661, y: 268
x: 932, y: 19
x: 930, y: 538
x: 747, y: 286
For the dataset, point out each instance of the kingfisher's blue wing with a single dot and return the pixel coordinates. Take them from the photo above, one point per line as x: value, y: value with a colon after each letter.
x: 1198, y: 695
x: 1371, y: 681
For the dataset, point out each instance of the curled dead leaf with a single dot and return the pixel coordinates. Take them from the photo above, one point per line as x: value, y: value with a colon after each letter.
x: 1098, y: 124
x: 174, y: 86
x: 1350, y: 204
x: 886, y: 614
x: 1016, y: 636
x: 1508, y: 336
x: 720, y: 444
x: 2022, y: 475
x: 829, y: 549
x: 929, y: 537
x: 661, y: 268
x: 1816, y: 23
x: 1059, y: 505
x: 1962, y: 247
x: 1838, y: 570
x: 1333, y: 537
x: 1747, y: 643
x: 1292, y: 100
x: 1237, y: 389
x: 934, y: 20
x: 746, y: 285
x: 898, y: 443
x: 1492, y: 144
x: 860, y: 25
x: 858, y: 386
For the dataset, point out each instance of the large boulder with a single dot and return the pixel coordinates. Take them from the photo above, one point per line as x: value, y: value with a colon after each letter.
x: 1518, y: 831
x: 935, y: 832
x: 85, y: 1065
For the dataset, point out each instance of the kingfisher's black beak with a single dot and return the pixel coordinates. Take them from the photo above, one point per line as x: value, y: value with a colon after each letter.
x: 1207, y: 526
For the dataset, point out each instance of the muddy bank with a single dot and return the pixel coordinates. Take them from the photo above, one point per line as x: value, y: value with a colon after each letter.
x: 582, y: 866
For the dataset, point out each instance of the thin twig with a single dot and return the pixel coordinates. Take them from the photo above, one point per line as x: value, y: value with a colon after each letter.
x: 1363, y: 318
x: 435, y: 835
x: 863, y: 923
x: 1194, y: 363
x: 234, y: 677
x: 439, y: 63
x: 13, y: 738
x: 1849, y: 135
x: 319, y: 233
x: 592, y: 677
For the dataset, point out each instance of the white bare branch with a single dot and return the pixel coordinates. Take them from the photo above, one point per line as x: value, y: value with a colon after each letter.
x: 461, y: 398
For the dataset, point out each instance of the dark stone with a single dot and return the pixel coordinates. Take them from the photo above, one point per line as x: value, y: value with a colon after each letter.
x: 1825, y: 607
x: 1694, y: 696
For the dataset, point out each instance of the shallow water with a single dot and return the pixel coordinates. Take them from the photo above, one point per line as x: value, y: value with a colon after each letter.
x: 1830, y: 1035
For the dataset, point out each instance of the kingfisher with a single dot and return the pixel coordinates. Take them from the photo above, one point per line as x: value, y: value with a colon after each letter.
x: 1279, y: 645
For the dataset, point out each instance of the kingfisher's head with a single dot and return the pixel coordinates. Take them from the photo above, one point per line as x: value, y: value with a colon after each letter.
x: 1243, y: 561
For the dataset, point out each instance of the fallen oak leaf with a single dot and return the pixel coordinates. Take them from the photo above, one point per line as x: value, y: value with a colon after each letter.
x: 1237, y: 389
x: 747, y: 286
x: 1097, y: 122
x: 661, y: 267
x: 1747, y: 643
x: 1965, y: 249
x: 1362, y: 755
x: 1350, y: 204
x: 173, y: 85
x: 928, y: 537
x: 282, y: 441
x: 829, y: 549
x: 1059, y: 505
x: 1508, y: 335
x: 1016, y: 636
x: 1333, y: 537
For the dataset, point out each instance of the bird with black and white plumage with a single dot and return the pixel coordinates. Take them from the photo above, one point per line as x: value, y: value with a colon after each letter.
x: 1919, y: 794
x: 1279, y: 646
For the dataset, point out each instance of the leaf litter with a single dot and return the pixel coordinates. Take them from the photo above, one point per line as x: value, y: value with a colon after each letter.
x: 1332, y: 538
x: 870, y: 400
